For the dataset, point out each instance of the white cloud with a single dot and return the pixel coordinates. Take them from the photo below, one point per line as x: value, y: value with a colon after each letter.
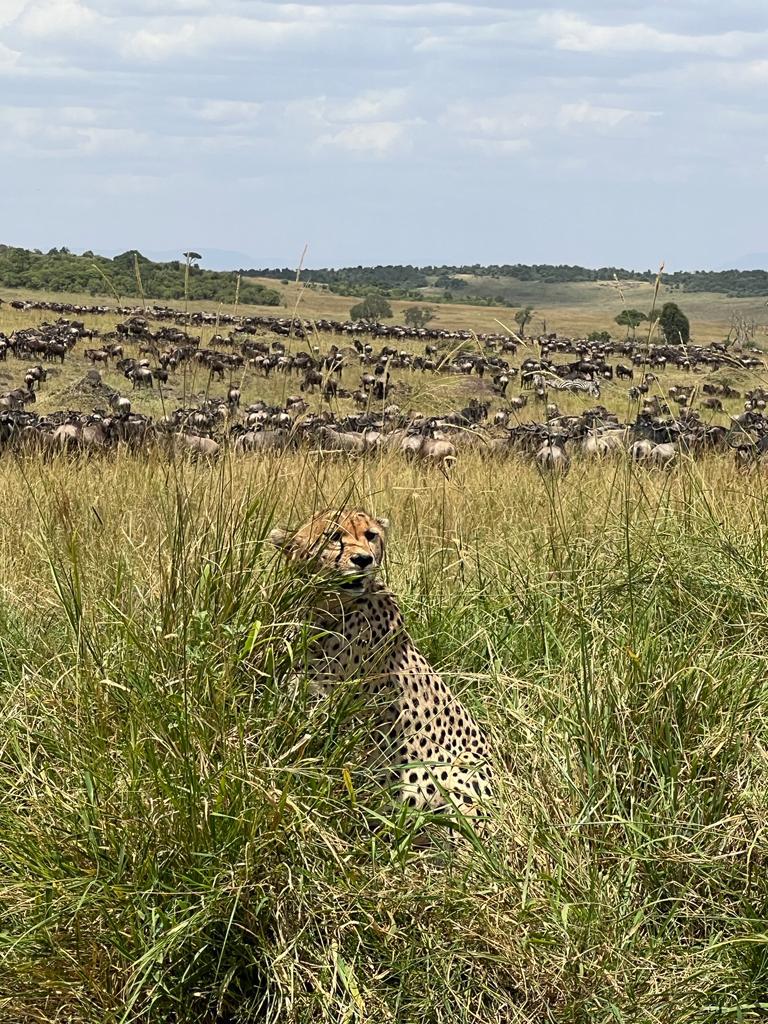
x: 754, y: 72
x: 151, y: 8
x: 376, y: 138
x: 571, y: 32
x: 79, y: 115
x: 585, y: 113
x: 110, y: 140
x: 128, y: 184
x: 193, y: 38
x: 57, y: 18
x: 515, y: 124
x: 495, y: 118
x: 10, y: 10
x: 228, y: 111
x: 360, y: 124
x: 501, y: 147
x: 125, y: 91
x: 9, y: 59
x: 66, y: 130
x: 369, y: 106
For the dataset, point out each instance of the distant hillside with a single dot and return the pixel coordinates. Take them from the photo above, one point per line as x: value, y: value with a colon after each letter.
x: 62, y: 271
x: 446, y: 283
x: 506, y: 284
x: 466, y: 282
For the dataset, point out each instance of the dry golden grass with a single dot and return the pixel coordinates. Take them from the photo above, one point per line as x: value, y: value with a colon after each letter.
x: 570, y: 309
x: 186, y: 835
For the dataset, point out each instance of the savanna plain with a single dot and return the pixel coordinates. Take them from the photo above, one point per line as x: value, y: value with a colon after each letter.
x: 188, y: 834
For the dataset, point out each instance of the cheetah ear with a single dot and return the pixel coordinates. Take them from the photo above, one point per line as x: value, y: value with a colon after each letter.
x: 279, y: 538
x: 383, y: 522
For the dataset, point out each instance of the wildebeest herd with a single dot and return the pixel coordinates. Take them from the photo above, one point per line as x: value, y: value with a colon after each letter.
x: 359, y: 388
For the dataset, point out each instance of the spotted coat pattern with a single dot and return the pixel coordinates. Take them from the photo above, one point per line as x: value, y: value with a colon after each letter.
x: 429, y: 744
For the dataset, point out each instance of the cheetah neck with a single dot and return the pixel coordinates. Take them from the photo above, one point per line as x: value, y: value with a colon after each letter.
x: 338, y: 607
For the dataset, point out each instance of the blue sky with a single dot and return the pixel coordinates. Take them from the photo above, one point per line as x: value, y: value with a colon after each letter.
x: 602, y: 132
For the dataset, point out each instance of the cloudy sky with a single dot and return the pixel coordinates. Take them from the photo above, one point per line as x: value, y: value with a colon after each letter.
x: 594, y: 132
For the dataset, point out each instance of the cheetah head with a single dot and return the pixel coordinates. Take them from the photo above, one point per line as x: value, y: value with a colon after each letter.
x: 348, y: 547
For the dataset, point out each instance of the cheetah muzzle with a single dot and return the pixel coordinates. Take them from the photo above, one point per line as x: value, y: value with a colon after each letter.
x: 427, y: 741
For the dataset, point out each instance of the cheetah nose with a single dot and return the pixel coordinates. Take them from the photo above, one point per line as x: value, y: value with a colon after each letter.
x: 361, y: 561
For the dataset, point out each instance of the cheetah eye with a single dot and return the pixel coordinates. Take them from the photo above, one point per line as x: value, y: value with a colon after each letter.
x: 336, y: 538
x: 370, y: 535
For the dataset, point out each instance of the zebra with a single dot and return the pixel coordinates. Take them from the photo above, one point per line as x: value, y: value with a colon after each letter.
x: 573, y: 387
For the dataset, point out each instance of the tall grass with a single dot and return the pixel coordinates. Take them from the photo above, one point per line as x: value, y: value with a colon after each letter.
x: 188, y: 835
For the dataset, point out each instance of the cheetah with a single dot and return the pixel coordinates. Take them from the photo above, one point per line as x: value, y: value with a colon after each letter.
x: 430, y: 747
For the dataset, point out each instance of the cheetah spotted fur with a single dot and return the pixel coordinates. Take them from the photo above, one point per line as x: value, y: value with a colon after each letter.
x: 435, y: 752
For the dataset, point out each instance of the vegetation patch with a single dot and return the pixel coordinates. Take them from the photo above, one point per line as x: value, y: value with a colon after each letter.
x: 64, y: 271
x: 188, y: 834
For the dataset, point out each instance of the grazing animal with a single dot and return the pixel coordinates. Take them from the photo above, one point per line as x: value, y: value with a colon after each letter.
x: 195, y: 445
x: 552, y: 457
x: 140, y: 376
x: 428, y: 744
x: 97, y: 355
x: 120, y: 406
x: 602, y: 445
x: 574, y: 387
x: 663, y: 454
x: 429, y: 450
x: 640, y: 451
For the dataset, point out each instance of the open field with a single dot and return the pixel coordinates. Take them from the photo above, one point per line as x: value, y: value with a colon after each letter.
x: 571, y: 309
x: 184, y: 837
x: 413, y: 391
x: 188, y: 835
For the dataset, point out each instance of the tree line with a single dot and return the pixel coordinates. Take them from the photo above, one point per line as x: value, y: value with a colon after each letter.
x: 60, y: 270
x: 408, y: 276
x: 401, y: 279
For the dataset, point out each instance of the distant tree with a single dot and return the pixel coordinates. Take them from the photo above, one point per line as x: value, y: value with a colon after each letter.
x: 600, y: 336
x: 448, y: 282
x: 674, y: 324
x: 373, y: 307
x: 418, y: 316
x: 631, y: 319
x: 523, y: 317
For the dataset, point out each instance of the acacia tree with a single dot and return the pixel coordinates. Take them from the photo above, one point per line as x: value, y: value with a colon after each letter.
x: 631, y: 319
x: 373, y: 307
x: 674, y: 324
x: 418, y: 316
x: 523, y: 317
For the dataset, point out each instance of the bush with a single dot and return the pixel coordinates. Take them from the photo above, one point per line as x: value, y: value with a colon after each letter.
x: 418, y: 316
x: 674, y: 324
x: 373, y: 307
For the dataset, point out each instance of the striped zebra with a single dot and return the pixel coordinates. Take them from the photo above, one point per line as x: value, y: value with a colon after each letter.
x: 573, y: 387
